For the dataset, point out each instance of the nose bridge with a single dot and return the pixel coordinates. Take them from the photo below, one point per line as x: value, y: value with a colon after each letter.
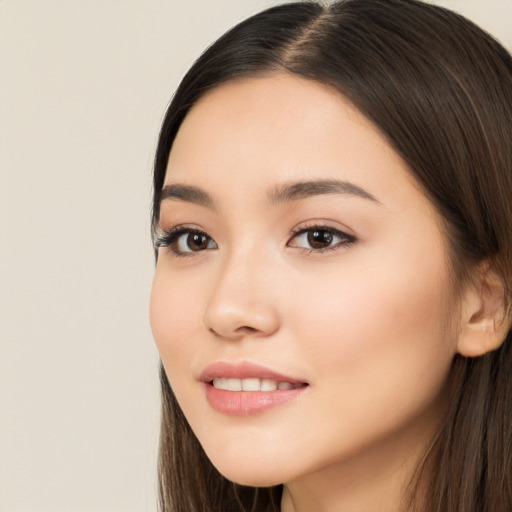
x: 241, y: 299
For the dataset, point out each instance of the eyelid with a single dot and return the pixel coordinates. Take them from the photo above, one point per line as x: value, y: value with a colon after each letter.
x: 162, y: 233
x: 322, y: 224
x: 169, y: 236
x: 347, y: 238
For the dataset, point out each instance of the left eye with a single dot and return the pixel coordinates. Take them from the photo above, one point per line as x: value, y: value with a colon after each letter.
x: 320, y: 238
x: 193, y: 241
x: 184, y: 241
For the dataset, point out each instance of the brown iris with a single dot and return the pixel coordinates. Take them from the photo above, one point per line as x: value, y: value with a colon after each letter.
x: 197, y: 241
x: 320, y: 238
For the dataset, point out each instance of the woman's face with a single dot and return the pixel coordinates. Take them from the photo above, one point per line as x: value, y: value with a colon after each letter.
x: 298, y: 253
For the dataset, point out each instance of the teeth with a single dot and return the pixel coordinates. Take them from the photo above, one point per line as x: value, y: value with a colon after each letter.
x: 220, y: 383
x: 268, y: 385
x: 234, y: 385
x: 253, y: 384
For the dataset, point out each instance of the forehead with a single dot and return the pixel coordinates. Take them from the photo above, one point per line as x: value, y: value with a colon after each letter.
x: 255, y: 133
x: 282, y: 104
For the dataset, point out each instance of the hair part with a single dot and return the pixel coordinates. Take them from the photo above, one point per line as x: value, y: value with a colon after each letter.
x: 439, y: 89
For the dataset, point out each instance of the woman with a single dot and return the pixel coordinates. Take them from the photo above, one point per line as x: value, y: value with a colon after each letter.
x: 331, y: 303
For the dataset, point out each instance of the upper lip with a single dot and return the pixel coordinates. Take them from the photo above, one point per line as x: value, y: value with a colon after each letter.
x: 244, y: 370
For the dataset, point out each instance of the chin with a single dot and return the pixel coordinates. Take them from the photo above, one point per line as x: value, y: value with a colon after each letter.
x: 261, y: 473
x: 250, y: 478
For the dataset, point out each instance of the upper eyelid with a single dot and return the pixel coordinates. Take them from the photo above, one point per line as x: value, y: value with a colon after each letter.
x: 346, y: 238
x: 323, y: 225
x: 179, y: 229
x: 160, y: 231
x: 306, y: 226
x: 167, y: 238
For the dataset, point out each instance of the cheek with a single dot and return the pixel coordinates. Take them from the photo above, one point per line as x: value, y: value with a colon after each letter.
x: 377, y: 336
x: 366, y: 309
x: 172, y: 321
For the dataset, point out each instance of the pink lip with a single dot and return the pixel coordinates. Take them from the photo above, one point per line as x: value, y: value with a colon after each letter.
x: 245, y: 403
x: 243, y: 370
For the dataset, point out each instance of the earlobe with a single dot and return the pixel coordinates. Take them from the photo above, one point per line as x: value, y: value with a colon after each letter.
x: 483, y: 314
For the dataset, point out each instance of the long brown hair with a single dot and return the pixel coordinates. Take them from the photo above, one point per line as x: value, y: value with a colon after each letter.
x: 440, y: 90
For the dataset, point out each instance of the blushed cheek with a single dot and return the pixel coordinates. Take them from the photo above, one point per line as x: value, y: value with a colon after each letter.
x: 352, y: 318
x: 378, y: 355
x: 166, y: 319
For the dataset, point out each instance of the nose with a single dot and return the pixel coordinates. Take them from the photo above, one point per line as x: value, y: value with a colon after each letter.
x: 243, y: 302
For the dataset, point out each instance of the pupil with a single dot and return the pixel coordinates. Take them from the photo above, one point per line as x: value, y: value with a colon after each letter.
x: 197, y: 242
x: 319, y: 239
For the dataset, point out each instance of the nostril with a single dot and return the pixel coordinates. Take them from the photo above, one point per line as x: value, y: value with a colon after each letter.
x: 246, y: 329
x: 233, y: 321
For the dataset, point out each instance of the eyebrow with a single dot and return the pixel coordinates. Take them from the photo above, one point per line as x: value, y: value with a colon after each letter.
x: 305, y: 189
x: 188, y: 194
x: 281, y: 194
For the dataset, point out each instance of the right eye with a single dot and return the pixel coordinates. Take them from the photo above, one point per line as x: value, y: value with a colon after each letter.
x: 185, y: 241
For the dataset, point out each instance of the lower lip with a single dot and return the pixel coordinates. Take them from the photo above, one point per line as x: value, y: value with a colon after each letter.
x: 246, y: 403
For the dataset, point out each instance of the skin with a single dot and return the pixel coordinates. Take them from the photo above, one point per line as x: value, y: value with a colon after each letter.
x: 371, y: 325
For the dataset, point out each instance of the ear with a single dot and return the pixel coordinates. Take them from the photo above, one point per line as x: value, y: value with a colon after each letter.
x: 484, y: 323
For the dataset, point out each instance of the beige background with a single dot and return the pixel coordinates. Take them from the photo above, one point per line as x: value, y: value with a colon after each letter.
x: 83, y: 87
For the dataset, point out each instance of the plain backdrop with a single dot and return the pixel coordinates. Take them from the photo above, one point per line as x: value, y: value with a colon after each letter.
x: 83, y: 88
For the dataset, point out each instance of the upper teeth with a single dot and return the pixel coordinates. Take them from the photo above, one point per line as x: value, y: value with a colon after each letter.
x: 250, y: 384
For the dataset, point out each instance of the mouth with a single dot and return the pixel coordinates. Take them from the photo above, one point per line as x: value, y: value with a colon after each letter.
x: 245, y: 389
x: 246, y: 376
x: 253, y: 384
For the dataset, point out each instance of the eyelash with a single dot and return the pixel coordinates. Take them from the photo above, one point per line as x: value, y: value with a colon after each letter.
x: 345, y: 239
x: 170, y: 238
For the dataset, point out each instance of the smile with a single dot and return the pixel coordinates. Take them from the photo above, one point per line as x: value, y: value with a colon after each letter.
x: 253, y: 384
x: 245, y: 389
